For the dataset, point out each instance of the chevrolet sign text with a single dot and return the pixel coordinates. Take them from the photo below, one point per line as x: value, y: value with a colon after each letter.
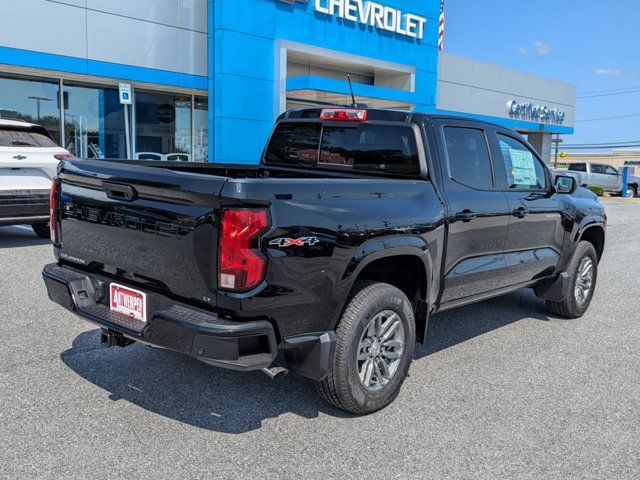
x: 375, y: 15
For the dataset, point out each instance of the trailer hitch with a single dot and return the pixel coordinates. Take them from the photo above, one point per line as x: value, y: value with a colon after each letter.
x: 109, y: 338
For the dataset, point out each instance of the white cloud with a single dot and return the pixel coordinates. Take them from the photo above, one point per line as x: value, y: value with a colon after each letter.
x: 523, y: 51
x: 542, y: 48
x: 615, y: 73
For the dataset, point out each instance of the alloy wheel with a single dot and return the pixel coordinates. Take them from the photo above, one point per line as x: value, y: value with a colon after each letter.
x: 584, y: 280
x: 380, y: 350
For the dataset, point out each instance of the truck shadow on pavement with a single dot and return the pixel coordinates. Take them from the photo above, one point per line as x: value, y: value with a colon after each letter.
x: 461, y: 324
x: 183, y: 389
x: 14, y: 237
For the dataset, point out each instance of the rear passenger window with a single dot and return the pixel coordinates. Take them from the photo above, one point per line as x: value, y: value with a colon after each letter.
x: 524, y: 170
x: 468, y: 155
x: 376, y: 148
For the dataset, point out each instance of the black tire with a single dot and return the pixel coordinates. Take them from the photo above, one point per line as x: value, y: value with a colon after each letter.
x: 343, y: 388
x: 42, y: 230
x: 632, y: 192
x: 571, y: 306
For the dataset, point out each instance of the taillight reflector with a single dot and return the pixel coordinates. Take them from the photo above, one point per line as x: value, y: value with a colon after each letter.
x: 343, y: 115
x: 53, y: 204
x: 241, y: 265
x: 63, y: 156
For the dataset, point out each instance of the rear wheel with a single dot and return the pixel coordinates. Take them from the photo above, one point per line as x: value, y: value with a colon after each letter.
x: 374, y: 348
x: 42, y: 230
x: 583, y: 269
x: 632, y: 192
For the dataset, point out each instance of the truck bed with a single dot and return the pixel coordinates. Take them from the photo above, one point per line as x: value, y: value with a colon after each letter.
x: 165, y: 236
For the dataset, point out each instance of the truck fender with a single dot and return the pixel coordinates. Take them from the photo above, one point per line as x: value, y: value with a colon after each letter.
x: 383, y: 248
x: 587, y: 222
x: 379, y: 248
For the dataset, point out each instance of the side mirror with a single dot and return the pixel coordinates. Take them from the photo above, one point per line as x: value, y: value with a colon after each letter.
x: 565, y: 184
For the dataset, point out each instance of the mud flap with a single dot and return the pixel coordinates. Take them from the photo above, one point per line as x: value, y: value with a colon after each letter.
x: 554, y: 291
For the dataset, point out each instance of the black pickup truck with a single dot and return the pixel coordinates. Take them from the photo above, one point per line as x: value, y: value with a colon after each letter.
x: 356, y: 226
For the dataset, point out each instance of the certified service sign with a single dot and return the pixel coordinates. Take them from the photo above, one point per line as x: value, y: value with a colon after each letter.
x: 372, y: 14
x: 535, y: 113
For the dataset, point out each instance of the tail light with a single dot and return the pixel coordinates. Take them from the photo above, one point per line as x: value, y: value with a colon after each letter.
x: 343, y: 115
x: 63, y: 156
x: 241, y: 265
x: 53, y: 205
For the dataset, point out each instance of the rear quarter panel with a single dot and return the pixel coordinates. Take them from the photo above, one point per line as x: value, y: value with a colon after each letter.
x: 355, y: 222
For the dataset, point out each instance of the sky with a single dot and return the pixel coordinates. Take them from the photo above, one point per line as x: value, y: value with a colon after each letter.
x: 593, y: 44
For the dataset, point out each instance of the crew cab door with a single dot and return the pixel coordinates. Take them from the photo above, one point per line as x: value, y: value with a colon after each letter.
x: 614, y: 179
x: 477, y: 212
x: 597, y: 176
x: 535, y: 235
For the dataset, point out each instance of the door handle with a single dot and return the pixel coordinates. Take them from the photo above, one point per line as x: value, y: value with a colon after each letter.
x: 466, y: 215
x: 520, y: 212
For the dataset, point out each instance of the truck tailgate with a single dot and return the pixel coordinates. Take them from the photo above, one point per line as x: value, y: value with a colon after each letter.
x: 147, y: 225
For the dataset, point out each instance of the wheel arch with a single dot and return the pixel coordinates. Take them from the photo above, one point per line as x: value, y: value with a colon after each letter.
x: 407, y: 267
x: 595, y: 234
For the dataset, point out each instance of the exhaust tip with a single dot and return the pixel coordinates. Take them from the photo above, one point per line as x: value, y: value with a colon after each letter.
x: 275, y: 373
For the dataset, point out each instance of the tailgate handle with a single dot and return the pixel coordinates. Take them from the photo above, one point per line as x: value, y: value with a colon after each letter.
x: 116, y: 191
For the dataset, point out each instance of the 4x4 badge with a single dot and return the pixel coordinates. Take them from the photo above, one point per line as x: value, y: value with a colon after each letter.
x: 290, y: 242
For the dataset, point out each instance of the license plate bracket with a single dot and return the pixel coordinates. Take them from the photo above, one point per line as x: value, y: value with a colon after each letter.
x: 128, y: 301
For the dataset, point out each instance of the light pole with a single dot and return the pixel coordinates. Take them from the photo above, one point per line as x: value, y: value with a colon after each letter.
x: 39, y: 101
x: 557, y: 141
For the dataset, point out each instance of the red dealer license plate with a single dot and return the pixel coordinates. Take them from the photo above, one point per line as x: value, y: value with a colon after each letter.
x: 129, y: 302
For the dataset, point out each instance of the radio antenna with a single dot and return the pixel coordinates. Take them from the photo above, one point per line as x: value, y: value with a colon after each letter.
x: 353, y: 97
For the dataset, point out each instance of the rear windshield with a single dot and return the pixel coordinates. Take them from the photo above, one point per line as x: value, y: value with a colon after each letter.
x: 358, y: 147
x: 24, y: 138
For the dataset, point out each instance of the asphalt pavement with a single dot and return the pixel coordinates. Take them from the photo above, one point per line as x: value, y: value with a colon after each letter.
x: 502, y: 390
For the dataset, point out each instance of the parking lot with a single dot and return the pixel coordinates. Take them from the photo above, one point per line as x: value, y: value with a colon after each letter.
x: 501, y: 390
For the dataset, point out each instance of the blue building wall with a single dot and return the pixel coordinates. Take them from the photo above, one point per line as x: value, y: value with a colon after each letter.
x: 244, y: 38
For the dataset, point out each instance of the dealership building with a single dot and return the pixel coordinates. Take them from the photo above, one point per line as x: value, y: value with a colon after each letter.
x: 208, y: 77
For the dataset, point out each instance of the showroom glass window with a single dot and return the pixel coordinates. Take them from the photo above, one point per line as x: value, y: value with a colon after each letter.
x: 201, y: 129
x: 163, y: 127
x: 33, y: 101
x: 93, y: 122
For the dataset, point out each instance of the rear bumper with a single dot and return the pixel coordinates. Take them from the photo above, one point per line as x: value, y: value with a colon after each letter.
x: 176, y: 326
x: 18, y: 207
x: 172, y: 325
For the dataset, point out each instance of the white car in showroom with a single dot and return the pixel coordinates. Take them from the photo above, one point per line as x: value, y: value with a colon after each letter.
x: 29, y: 160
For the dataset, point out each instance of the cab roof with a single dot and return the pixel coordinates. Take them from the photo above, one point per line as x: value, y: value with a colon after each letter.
x: 379, y: 114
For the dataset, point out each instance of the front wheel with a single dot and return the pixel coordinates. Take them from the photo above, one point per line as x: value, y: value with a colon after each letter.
x: 374, y: 347
x: 42, y: 230
x: 583, y: 269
